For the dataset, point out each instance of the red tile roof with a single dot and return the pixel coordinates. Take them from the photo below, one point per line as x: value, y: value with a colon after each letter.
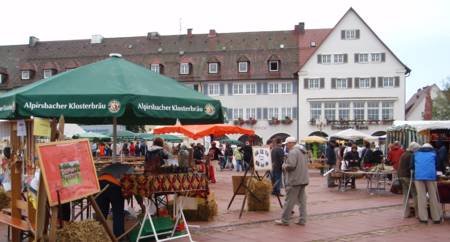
x: 305, y: 40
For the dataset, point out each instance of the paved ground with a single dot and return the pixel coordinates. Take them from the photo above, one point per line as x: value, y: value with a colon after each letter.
x: 354, y: 215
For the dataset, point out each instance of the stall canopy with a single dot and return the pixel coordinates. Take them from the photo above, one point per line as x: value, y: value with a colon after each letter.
x: 111, y: 88
x: 124, y: 134
x: 424, y: 125
x: 314, y: 139
x: 91, y: 136
x: 199, y: 131
x: 165, y: 137
x: 352, y: 134
x: 230, y: 141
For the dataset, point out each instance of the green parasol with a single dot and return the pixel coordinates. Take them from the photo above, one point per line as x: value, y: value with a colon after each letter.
x: 91, y: 136
x: 165, y: 137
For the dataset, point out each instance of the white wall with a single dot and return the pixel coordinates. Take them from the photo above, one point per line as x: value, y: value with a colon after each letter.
x: 416, y: 112
x: 367, y: 43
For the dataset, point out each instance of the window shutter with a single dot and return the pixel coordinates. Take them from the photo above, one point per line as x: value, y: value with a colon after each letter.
x: 356, y: 57
x: 397, y: 81
x: 349, y: 82
x: 294, y: 112
x: 380, y: 81
x: 333, y: 83
x: 357, y: 33
x: 294, y: 86
x: 373, y: 82
x: 264, y: 88
x: 322, y: 82
x: 383, y: 57
x: 258, y: 87
x: 205, y: 88
x: 319, y: 59
x: 305, y: 83
x: 229, y: 113
x: 222, y: 89
x: 264, y: 113
x: 258, y: 113
x: 230, y: 89
x: 345, y: 58
x: 342, y: 34
x: 356, y: 82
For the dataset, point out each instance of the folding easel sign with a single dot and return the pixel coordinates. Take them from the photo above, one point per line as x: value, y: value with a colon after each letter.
x: 262, y: 159
x: 68, y: 170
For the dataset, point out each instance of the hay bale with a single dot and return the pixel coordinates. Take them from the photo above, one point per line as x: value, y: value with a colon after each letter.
x: 82, y: 231
x: 261, y: 190
x: 206, y: 209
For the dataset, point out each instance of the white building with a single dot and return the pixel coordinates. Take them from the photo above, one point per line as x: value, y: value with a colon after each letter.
x: 420, y: 105
x: 352, y: 80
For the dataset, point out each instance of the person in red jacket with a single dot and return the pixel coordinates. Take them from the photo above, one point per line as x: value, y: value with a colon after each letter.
x: 394, y: 155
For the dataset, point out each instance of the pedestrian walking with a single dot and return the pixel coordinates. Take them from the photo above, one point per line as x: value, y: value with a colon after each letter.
x: 277, y: 155
x: 331, y: 161
x: 296, y: 175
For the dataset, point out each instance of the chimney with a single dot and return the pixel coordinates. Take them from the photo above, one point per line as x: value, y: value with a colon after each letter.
x: 96, y: 39
x: 189, y: 33
x: 153, y: 35
x: 301, y: 27
x: 33, y: 41
x: 212, y: 33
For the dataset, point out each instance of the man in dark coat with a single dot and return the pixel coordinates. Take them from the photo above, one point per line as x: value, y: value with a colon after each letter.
x: 331, y: 161
x: 277, y: 155
x: 442, y: 156
x: 248, y: 155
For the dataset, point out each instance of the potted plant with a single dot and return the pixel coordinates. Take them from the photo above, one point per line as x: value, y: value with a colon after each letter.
x: 274, y: 121
x: 238, y: 121
x: 251, y: 121
x: 287, y: 120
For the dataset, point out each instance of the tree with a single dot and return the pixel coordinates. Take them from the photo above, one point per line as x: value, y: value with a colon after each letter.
x: 441, y: 104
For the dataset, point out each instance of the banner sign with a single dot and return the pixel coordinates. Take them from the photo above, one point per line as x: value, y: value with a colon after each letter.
x: 68, y: 169
x: 262, y: 158
x: 41, y: 127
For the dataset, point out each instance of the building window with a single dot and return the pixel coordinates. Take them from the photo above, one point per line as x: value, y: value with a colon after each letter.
x: 48, y: 73
x: 344, y: 110
x: 286, y: 87
x: 195, y: 87
x: 250, y: 88
x: 358, y: 110
x: 25, y: 75
x: 375, y: 57
x: 330, y: 111
x: 238, y: 88
x: 326, y: 59
x: 363, y: 58
x: 243, y: 66
x: 373, y: 111
x: 214, y: 89
x: 250, y: 113
x: 316, y: 110
x: 339, y: 58
x: 156, y: 68
x: 286, y: 112
x: 387, y: 110
x: 314, y: 83
x: 184, y: 69
x: 238, y: 113
x: 2, y: 78
x: 350, y: 34
x: 272, y: 88
x: 213, y: 68
x: 274, y: 66
x: 272, y: 113
x: 388, y: 81
x: 341, y: 83
x: 364, y: 83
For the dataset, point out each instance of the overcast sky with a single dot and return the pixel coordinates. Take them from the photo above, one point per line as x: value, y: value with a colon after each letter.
x: 417, y: 31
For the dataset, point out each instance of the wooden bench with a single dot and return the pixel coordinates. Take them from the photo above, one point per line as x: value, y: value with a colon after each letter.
x: 15, y: 222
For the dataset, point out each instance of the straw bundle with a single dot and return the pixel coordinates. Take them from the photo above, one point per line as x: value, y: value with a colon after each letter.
x: 261, y: 189
x: 206, y: 209
x: 4, y: 200
x: 82, y: 231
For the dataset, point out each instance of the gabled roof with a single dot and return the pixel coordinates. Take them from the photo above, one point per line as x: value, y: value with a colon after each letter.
x: 306, y: 39
x: 408, y: 70
x: 418, y: 97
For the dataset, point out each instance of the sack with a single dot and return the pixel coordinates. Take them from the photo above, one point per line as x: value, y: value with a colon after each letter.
x: 396, y: 187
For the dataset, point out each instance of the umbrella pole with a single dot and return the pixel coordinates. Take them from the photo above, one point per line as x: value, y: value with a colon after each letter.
x: 114, y: 139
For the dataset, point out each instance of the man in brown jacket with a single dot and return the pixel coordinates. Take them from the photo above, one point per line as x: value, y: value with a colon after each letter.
x: 296, y: 179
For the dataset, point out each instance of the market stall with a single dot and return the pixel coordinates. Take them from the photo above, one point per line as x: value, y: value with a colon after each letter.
x: 109, y: 91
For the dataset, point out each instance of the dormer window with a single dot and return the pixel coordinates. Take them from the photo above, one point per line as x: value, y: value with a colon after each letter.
x: 25, y: 75
x: 213, y: 68
x: 243, y: 66
x: 185, y: 69
x: 49, y: 72
x: 274, y: 65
